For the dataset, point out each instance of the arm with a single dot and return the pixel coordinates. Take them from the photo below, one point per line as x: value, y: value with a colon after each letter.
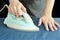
x: 47, y: 19
x: 49, y: 7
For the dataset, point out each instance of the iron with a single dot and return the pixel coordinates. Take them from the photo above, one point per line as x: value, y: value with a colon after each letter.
x: 23, y: 23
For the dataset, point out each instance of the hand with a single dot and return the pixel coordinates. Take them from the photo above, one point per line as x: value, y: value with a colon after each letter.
x: 48, y: 22
x: 16, y: 7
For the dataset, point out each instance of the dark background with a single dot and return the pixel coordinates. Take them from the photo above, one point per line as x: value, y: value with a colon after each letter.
x: 55, y: 12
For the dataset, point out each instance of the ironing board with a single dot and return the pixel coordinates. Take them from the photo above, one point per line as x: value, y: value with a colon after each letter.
x: 10, y: 34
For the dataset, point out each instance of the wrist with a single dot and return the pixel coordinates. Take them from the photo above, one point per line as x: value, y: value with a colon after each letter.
x: 48, y: 14
x: 13, y: 1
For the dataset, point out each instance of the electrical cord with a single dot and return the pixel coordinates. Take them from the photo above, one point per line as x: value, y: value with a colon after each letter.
x: 4, y: 7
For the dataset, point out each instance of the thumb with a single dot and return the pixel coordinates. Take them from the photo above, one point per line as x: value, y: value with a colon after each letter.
x: 23, y: 9
x: 40, y: 22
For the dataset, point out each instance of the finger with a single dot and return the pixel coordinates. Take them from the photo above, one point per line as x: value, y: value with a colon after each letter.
x: 19, y: 11
x: 40, y: 22
x: 23, y: 9
x: 11, y: 10
x: 50, y: 26
x: 57, y: 23
x: 15, y: 10
x: 54, y: 26
x: 46, y: 26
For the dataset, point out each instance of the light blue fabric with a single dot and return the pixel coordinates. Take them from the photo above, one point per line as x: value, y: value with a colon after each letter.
x: 10, y: 34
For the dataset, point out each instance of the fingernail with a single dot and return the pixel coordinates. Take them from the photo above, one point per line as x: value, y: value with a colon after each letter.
x: 38, y: 25
x: 52, y: 30
x: 56, y: 29
x: 47, y: 29
x: 59, y: 25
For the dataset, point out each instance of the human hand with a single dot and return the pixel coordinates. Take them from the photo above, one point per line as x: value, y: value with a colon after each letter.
x: 48, y: 22
x: 15, y: 8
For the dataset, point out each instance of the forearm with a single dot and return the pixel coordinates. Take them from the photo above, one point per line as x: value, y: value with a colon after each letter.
x: 49, y: 7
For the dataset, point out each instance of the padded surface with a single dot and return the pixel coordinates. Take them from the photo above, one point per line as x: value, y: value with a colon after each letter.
x: 10, y: 34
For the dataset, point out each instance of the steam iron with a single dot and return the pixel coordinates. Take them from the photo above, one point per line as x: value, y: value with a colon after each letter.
x: 23, y: 23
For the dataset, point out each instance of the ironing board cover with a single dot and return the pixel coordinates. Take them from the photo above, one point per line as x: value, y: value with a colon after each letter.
x: 10, y: 34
